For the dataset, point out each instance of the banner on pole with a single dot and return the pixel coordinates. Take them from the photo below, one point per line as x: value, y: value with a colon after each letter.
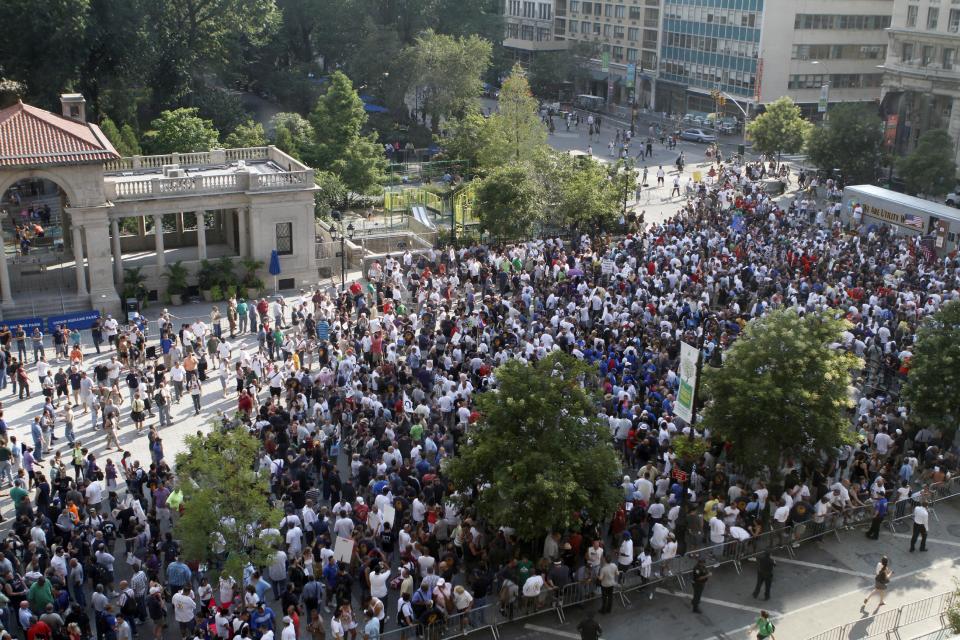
x: 605, y: 62
x: 683, y: 408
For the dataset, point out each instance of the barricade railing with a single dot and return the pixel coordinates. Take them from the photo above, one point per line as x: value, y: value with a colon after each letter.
x: 470, y: 623
x: 888, y: 622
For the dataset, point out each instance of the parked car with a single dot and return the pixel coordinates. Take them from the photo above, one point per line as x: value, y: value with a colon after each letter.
x: 697, y: 135
x: 952, y: 199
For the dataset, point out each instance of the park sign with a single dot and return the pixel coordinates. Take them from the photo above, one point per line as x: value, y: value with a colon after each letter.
x: 683, y: 408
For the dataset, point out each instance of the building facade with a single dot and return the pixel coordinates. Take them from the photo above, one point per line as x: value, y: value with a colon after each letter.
x: 89, y: 215
x: 921, y: 83
x: 759, y: 50
x: 532, y: 26
x: 623, y: 38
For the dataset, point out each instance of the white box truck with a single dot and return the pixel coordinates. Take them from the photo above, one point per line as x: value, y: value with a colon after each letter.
x: 905, y: 215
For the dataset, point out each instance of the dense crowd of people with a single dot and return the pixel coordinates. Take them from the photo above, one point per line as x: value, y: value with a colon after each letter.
x: 360, y: 396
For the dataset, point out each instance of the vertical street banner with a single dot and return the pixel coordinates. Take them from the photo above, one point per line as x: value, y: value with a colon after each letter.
x: 631, y: 75
x: 683, y: 408
x: 824, y: 98
x: 605, y: 62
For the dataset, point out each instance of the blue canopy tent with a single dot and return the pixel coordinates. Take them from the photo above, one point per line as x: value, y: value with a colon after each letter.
x: 274, y: 267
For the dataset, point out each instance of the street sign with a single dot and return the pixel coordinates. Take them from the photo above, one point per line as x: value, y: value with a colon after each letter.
x: 824, y: 98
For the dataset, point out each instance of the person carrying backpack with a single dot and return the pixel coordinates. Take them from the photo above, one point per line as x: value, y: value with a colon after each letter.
x: 765, y: 628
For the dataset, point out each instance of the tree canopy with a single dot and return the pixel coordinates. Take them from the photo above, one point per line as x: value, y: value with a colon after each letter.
x: 509, y: 202
x: 248, y: 134
x: 180, y: 130
x: 225, y: 501
x: 340, y: 144
x: 851, y: 140
x: 930, y: 168
x: 779, y: 129
x: 933, y: 382
x: 782, y: 387
x: 538, y: 444
x: 514, y: 133
x: 584, y: 195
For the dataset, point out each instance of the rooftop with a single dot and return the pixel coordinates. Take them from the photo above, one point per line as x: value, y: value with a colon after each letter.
x: 32, y: 137
x: 216, y: 171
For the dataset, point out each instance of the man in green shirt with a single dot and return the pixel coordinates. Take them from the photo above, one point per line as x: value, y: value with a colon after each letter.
x: 18, y: 493
x: 40, y: 595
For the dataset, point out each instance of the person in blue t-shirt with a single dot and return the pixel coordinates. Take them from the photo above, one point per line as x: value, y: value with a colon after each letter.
x: 262, y: 619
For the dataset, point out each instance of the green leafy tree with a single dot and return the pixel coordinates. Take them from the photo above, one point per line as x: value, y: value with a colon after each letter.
x: 509, y: 202
x: 291, y: 133
x: 851, y: 140
x: 779, y: 129
x: 180, y: 130
x: 223, y: 108
x: 339, y: 144
x: 225, y: 501
x: 585, y: 197
x: 538, y: 444
x: 331, y: 194
x: 781, y: 387
x: 465, y: 137
x: 38, y: 45
x: 121, y: 138
x: 933, y: 384
x: 248, y: 134
x: 447, y: 72
x: 10, y: 91
x: 930, y: 168
x: 515, y: 132
x: 130, y: 141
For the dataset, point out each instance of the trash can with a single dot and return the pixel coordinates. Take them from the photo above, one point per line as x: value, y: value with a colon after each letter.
x: 132, y: 307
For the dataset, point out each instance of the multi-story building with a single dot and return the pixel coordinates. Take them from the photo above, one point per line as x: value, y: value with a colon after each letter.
x: 624, y: 36
x: 760, y: 50
x: 533, y: 26
x: 921, y: 84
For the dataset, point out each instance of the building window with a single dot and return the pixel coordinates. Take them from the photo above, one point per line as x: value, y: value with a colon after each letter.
x: 631, y: 55
x: 607, y: 30
x: 618, y: 32
x: 633, y: 34
x: 949, y: 57
x: 608, y: 11
x: 588, y: 8
x: 574, y: 6
x: 933, y: 17
x: 573, y: 26
x: 596, y: 28
x: 285, y: 238
x: 634, y: 13
x: 619, y: 11
x: 912, y: 11
x: 927, y: 57
x: 906, y: 57
x: 545, y: 11
x: 953, y: 22
x: 618, y: 53
x: 597, y: 8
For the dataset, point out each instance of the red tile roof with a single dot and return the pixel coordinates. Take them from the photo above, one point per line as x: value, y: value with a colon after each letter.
x: 31, y: 137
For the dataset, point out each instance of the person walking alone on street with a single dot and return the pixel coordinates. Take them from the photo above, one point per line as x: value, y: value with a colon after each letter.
x: 765, y: 565
x: 589, y: 628
x: 700, y: 576
x: 765, y: 628
x: 880, y: 582
x: 920, y: 519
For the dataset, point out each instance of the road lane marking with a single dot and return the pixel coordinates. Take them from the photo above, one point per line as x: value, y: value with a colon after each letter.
x: 555, y: 632
x: 721, y: 603
x: 825, y: 567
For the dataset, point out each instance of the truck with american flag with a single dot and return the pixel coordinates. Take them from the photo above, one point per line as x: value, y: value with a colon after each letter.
x: 867, y: 207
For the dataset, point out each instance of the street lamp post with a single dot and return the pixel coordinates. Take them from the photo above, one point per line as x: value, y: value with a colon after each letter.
x: 345, y: 232
x: 715, y: 361
x: 745, y: 112
x: 827, y: 84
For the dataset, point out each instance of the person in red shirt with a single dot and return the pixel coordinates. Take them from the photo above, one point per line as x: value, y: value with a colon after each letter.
x: 245, y: 403
x: 39, y: 630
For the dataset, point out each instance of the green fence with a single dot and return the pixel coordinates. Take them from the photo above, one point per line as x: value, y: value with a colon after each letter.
x: 463, y: 207
x: 416, y: 172
x: 401, y: 199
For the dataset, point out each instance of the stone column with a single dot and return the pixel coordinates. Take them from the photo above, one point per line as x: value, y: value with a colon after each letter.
x: 158, y: 239
x: 117, y: 253
x: 201, y: 236
x: 78, y: 259
x: 242, y: 214
x: 7, y: 294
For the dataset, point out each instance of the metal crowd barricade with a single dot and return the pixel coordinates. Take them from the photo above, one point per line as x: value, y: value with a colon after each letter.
x: 526, y: 607
x: 933, y: 606
x: 878, y: 625
x: 461, y: 624
x: 888, y: 622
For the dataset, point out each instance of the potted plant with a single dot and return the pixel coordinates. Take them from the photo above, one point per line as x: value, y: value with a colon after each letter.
x: 224, y: 267
x: 206, y: 278
x: 251, y: 280
x: 176, y: 276
x: 134, y: 283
